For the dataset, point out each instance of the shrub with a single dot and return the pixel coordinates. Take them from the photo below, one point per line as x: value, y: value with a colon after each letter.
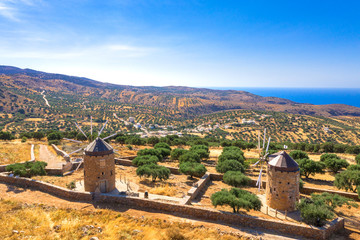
x: 354, y: 167
x: 162, y: 145
x: 236, y: 179
x: 38, y: 135
x: 335, y: 164
x: 6, y: 136
x: 120, y: 139
x: 348, y: 180
x: 357, y: 159
x: 298, y: 154
x: 237, y: 155
x: 144, y: 160
x: 325, y: 156
x: 27, y: 169
x: 190, y: 157
x: 55, y: 142
x: 229, y: 165
x: 192, y: 169
x: 201, y: 150
x: 164, y: 152
x: 301, y: 184
x: 236, y: 198
x: 150, y: 151
x: 314, y: 214
x: 54, y: 136
x: 333, y: 200
x: 154, y: 171
x: 129, y: 147
x: 71, y: 185
x: 309, y: 167
x: 23, y: 139
x: 177, y: 153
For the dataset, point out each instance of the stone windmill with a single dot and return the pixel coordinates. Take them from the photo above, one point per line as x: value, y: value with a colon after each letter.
x: 99, y: 163
x: 283, y: 176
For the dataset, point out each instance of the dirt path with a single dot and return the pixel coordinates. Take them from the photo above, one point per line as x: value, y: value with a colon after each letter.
x: 9, y: 192
x: 47, y: 156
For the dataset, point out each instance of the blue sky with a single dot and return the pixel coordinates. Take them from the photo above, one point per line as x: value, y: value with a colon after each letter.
x: 187, y: 43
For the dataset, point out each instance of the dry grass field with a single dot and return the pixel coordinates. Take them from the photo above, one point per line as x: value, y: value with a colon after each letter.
x: 32, y: 221
x: 14, y: 152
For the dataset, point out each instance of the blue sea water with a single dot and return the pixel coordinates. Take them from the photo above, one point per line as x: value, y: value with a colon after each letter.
x: 318, y: 96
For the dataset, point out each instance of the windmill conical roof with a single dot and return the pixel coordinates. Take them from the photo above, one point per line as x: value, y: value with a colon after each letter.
x: 98, y: 147
x: 283, y: 162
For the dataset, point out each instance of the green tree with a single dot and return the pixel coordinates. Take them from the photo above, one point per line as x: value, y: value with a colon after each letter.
x: 150, y: 151
x: 201, y: 150
x: 177, y: 152
x: 54, y: 136
x: 236, y: 179
x: 310, y: 167
x: 164, y: 152
x: 298, y: 154
x: 348, y: 180
x: 237, y: 199
x: 335, y: 164
x: 192, y: 169
x: 162, y: 145
x: 354, y: 167
x: 325, y: 156
x: 229, y: 165
x: 154, y: 171
x: 152, y: 140
x: 6, y: 136
x: 232, y: 154
x: 333, y: 200
x: 27, y: 169
x: 357, y: 159
x: 313, y: 213
x: 144, y: 160
x: 190, y: 157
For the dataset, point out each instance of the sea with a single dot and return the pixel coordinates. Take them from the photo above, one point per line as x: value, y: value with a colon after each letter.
x: 318, y: 96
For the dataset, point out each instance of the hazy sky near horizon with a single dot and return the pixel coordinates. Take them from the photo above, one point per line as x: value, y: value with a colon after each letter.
x: 189, y: 43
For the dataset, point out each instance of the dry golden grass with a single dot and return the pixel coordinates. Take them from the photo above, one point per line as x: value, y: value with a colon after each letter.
x: 42, y: 222
x: 12, y: 152
x: 164, y: 189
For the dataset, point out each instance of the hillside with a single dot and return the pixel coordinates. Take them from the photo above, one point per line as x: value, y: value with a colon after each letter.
x: 21, y: 84
x: 33, y: 101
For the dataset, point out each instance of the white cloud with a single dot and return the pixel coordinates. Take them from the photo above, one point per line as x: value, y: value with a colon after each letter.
x: 11, y: 9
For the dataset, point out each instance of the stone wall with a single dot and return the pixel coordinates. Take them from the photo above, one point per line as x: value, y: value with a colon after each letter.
x: 190, y: 211
x: 230, y: 218
x: 61, y: 152
x: 309, y: 190
x: 46, y: 187
x: 199, y: 185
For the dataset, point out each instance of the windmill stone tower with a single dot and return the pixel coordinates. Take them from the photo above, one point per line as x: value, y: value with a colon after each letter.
x: 282, y: 187
x: 99, y: 167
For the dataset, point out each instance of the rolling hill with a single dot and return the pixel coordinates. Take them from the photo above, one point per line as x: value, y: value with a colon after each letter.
x: 20, y: 84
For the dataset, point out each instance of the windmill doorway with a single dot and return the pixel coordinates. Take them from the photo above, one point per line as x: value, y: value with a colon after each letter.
x: 103, y: 186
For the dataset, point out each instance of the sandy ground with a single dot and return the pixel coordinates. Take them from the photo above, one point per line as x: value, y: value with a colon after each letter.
x: 46, y: 155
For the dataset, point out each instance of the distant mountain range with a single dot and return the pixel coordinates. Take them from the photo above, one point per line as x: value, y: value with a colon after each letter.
x: 20, y: 82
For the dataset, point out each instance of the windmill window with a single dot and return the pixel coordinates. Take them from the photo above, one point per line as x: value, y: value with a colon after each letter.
x: 103, y: 173
x: 274, y: 189
x: 102, y: 163
x: 279, y: 182
x: 290, y: 197
x: 288, y: 183
x: 111, y: 173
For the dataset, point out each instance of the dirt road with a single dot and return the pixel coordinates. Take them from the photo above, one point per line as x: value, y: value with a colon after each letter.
x: 50, y: 158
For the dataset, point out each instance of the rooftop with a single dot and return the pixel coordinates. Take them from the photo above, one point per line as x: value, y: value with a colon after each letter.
x: 98, y: 147
x: 283, y: 162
